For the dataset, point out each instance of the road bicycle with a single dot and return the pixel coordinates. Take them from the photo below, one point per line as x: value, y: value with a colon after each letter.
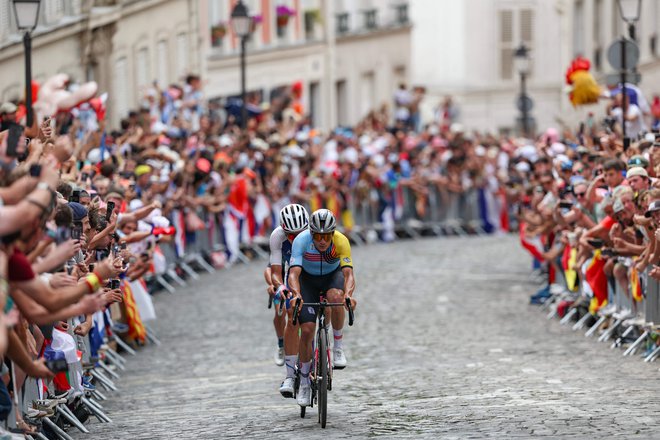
x: 321, y: 370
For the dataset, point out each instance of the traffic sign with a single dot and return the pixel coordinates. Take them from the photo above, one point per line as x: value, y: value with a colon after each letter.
x: 524, y: 103
x: 620, y: 47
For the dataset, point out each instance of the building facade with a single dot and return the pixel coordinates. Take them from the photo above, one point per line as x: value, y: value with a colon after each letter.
x: 348, y: 54
x: 472, y: 57
x: 123, y: 45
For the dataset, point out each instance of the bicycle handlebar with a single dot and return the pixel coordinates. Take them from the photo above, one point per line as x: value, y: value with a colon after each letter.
x: 351, y: 318
x: 347, y: 303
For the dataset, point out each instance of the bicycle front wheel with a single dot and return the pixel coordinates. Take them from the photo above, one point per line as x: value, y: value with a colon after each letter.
x: 322, y: 377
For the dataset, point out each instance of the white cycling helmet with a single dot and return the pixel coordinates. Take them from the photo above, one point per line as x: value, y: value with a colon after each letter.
x: 294, y: 218
x: 322, y: 222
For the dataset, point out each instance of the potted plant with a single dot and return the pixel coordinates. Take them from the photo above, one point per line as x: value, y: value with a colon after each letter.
x: 218, y: 32
x: 283, y: 13
x: 256, y: 20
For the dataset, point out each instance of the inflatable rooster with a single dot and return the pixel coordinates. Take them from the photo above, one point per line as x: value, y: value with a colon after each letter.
x: 584, y: 88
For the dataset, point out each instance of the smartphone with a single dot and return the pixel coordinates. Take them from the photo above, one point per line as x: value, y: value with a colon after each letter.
x: 102, y: 254
x: 84, y: 177
x: 75, y: 196
x: 91, y: 267
x: 596, y: 242
x: 114, y: 284
x: 13, y: 138
x: 609, y: 253
x: 565, y: 204
x: 57, y: 365
x: 108, y: 213
x: 77, y: 230
x: 35, y: 170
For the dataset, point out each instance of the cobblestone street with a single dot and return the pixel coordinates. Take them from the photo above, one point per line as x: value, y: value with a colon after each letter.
x: 445, y: 345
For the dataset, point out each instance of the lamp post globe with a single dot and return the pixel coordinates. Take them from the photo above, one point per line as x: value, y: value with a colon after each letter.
x: 26, y: 13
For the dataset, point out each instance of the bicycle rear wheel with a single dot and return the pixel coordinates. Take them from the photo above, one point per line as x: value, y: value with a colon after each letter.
x: 322, y: 377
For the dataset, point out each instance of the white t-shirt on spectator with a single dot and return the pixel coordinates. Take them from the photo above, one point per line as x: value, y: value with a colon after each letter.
x: 635, y: 127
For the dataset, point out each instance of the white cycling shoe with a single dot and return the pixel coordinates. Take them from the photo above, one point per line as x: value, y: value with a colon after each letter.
x: 338, y: 359
x: 279, y: 356
x: 305, y: 395
x: 286, y: 389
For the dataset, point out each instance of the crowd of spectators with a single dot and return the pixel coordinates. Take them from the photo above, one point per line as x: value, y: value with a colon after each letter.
x: 87, y: 209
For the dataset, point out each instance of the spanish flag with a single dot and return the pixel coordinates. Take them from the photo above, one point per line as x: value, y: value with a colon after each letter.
x: 568, y: 262
x: 135, y: 327
x: 597, y: 280
x: 636, y: 285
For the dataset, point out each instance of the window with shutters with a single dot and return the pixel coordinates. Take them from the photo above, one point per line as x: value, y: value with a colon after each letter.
x: 578, y: 28
x: 507, y: 44
x: 121, y: 88
x: 142, y: 69
x: 4, y: 19
x: 598, y: 38
x: 163, y: 67
x: 516, y: 26
x: 182, y: 54
x: 53, y: 11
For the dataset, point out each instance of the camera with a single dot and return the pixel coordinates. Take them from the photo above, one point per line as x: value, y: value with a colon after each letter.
x: 114, y: 284
x: 35, y: 170
x: 75, y: 196
x: 57, y: 365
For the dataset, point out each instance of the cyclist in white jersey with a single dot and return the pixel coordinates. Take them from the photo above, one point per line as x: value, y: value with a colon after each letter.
x: 293, y: 220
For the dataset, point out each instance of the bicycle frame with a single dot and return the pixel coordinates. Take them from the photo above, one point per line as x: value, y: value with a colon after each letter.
x: 317, y: 369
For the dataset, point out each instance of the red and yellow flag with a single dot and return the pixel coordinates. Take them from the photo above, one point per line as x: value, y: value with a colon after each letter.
x: 135, y: 327
x: 597, y: 281
x: 636, y: 285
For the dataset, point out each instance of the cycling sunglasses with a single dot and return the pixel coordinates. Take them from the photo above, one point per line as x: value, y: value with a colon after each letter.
x: 326, y: 237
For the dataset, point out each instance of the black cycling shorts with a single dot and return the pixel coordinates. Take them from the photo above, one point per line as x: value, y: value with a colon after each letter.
x: 311, y: 288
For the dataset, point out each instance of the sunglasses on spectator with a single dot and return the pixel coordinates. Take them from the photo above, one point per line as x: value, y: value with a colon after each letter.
x: 325, y: 237
x: 580, y: 194
x: 580, y: 171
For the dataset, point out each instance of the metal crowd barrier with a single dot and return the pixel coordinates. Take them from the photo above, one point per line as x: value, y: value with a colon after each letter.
x: 390, y: 214
x: 630, y: 322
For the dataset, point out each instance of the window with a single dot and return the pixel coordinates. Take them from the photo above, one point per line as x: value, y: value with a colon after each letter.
x: 515, y: 27
x: 142, y: 73
x: 368, y: 93
x: 507, y: 44
x: 578, y: 28
x: 598, y: 38
x: 53, y: 11
x: 4, y: 19
x: 182, y: 54
x: 371, y: 19
x: 342, y: 102
x: 163, y: 64
x: 121, y: 88
x: 342, y: 23
x: 315, y: 103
